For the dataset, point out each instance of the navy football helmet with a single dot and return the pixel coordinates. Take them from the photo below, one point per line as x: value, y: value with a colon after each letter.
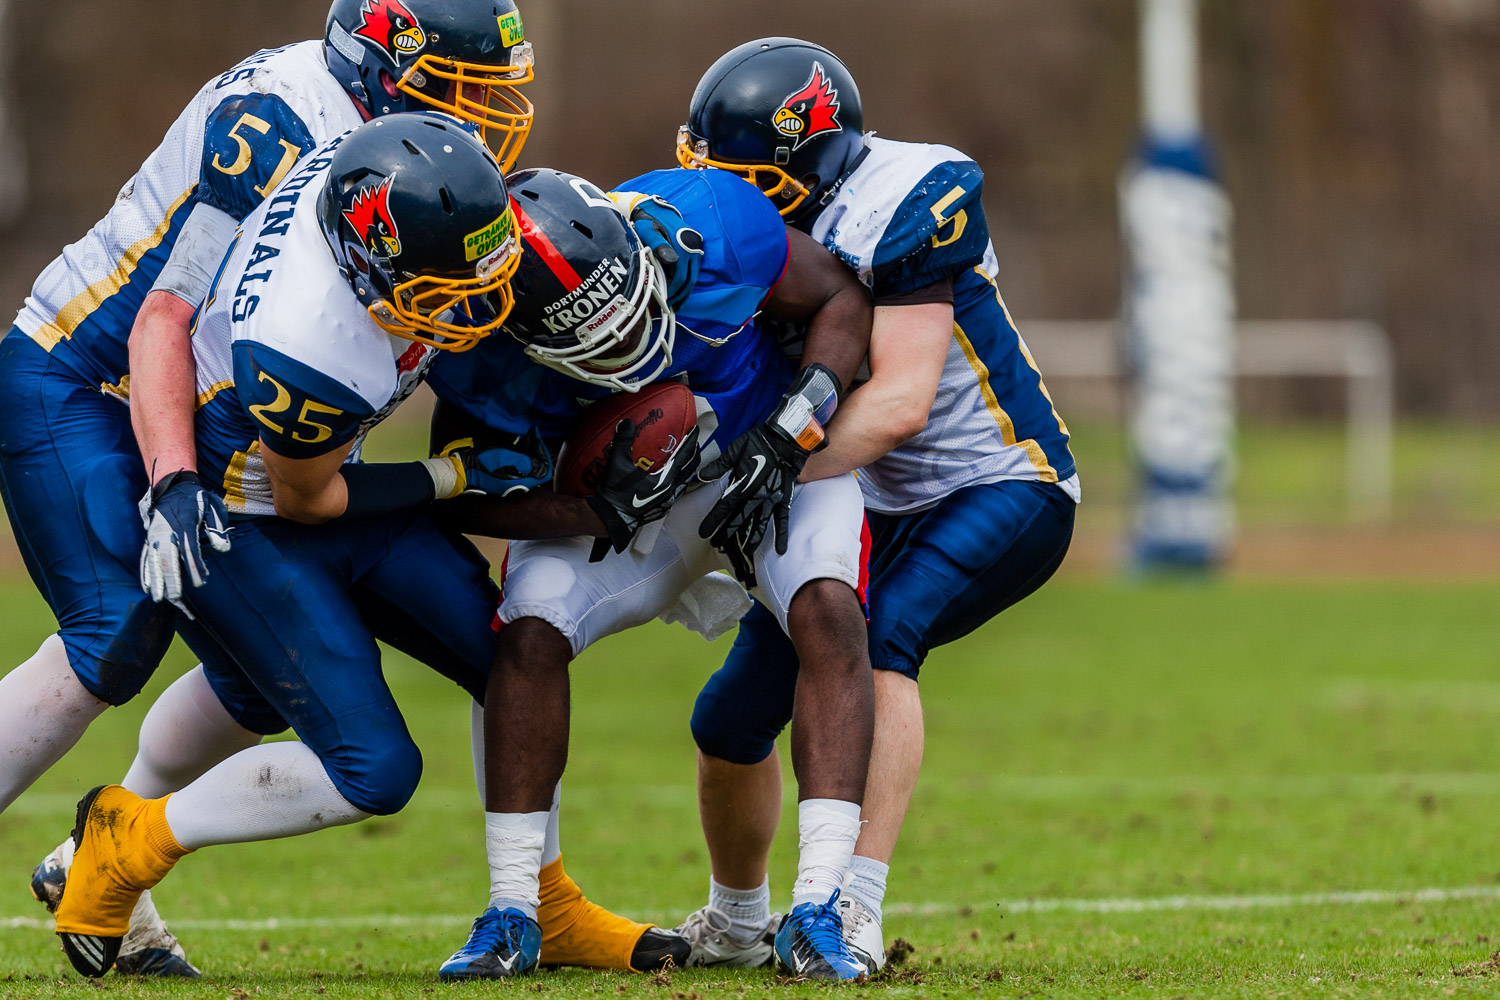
x: 468, y: 58
x: 784, y: 114
x: 591, y: 299
x: 417, y: 215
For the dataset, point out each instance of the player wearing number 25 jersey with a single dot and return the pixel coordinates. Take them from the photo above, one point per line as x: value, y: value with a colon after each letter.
x: 384, y: 246
x: 71, y: 468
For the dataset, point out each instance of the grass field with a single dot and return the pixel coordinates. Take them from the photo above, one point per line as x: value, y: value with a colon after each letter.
x: 1156, y: 790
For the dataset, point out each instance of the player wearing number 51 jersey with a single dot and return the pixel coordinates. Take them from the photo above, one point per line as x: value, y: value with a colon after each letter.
x: 964, y: 463
x: 108, y: 320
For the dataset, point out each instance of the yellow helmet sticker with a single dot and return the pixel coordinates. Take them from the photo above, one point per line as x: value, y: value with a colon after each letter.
x: 486, y: 241
x: 511, y: 31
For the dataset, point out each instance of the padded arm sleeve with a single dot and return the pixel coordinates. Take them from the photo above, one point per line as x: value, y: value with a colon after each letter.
x: 197, y: 254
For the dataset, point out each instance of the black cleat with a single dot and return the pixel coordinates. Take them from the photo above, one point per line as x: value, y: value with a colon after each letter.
x: 660, y: 949
x: 91, y: 956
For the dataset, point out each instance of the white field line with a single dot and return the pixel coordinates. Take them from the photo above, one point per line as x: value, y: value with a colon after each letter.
x: 1009, y: 787
x: 1376, y: 897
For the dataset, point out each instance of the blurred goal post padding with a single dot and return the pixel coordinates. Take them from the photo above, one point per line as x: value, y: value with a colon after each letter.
x: 1357, y: 351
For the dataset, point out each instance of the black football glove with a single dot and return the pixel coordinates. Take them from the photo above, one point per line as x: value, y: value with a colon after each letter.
x: 763, y: 465
x: 517, y: 467
x: 676, y: 247
x: 180, y: 514
x: 629, y: 496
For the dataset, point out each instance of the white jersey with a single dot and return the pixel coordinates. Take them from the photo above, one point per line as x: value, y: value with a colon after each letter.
x: 237, y: 139
x: 286, y: 352
x: 908, y: 216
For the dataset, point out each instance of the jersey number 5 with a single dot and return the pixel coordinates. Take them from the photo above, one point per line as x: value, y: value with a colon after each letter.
x: 959, y: 221
x: 316, y: 433
x: 289, y: 154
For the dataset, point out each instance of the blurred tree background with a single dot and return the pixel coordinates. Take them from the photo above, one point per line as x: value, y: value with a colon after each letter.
x: 1359, y: 138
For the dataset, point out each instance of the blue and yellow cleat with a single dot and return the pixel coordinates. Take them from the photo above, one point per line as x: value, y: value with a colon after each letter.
x: 503, y: 943
x: 810, y: 944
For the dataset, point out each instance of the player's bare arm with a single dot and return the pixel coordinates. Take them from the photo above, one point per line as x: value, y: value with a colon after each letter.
x: 908, y: 347
x: 162, y: 384
x: 766, y: 460
x: 308, y: 490
x: 821, y: 290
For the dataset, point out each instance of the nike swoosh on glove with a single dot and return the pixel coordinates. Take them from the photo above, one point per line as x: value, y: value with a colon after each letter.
x: 629, y: 496
x: 180, y: 514
x: 763, y: 465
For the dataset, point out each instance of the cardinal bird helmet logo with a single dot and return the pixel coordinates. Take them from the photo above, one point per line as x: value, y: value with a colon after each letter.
x: 370, y: 216
x: 391, y: 26
x: 811, y: 111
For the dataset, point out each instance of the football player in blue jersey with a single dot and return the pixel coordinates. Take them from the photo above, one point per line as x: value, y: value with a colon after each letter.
x: 108, y: 321
x: 964, y: 463
x: 592, y: 303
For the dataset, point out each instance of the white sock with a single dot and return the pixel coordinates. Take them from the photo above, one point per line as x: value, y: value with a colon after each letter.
x: 186, y: 732
x: 827, y: 830
x: 866, y: 883
x: 44, y: 709
x: 748, y: 910
x: 267, y: 792
x: 515, y: 843
x: 476, y: 745
x: 552, y: 847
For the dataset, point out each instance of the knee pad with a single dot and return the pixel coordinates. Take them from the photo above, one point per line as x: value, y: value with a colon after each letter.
x: 748, y: 702
x: 378, y: 780
x: 137, y: 635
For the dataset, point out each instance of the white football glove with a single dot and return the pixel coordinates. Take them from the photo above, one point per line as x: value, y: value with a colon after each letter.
x: 179, y: 514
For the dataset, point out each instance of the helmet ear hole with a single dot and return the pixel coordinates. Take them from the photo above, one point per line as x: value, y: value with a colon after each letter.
x: 388, y: 84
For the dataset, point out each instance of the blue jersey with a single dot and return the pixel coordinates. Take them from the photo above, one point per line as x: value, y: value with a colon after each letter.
x: 236, y: 141
x: 909, y: 216
x: 722, y: 352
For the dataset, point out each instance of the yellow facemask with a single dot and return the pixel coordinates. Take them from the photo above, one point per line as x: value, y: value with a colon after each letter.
x: 784, y: 190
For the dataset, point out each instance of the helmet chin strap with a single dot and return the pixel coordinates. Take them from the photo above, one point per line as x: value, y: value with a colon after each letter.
x: 833, y: 189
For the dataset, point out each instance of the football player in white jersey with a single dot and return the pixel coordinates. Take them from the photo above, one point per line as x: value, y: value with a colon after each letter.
x: 967, y: 477
x: 386, y: 245
x: 120, y: 301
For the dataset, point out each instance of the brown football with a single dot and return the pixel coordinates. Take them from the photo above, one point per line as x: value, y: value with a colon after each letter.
x: 663, y: 413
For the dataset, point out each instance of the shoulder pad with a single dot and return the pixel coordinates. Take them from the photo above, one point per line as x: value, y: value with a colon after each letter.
x: 938, y: 231
x: 250, y: 143
x: 298, y: 411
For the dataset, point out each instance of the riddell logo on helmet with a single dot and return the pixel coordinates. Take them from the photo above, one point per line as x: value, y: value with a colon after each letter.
x: 391, y: 26
x: 370, y: 216
x: 811, y: 111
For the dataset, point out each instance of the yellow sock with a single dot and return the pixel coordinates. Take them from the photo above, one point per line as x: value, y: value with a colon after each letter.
x: 577, y: 932
x: 125, y: 848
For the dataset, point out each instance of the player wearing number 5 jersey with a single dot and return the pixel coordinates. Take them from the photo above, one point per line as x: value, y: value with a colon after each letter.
x: 108, y: 320
x: 964, y: 463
